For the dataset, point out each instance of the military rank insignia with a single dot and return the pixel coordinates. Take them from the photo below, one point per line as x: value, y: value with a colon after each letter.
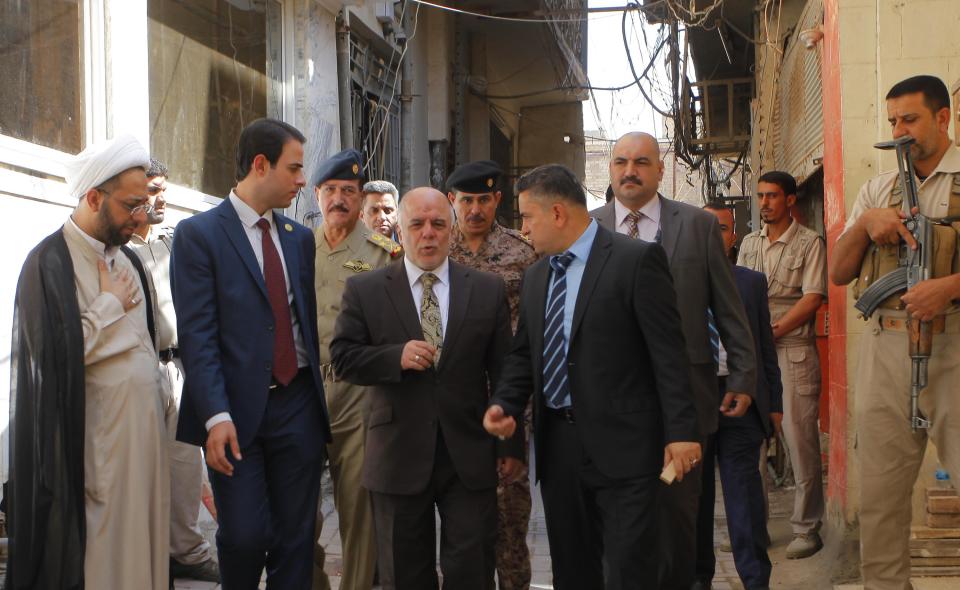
x: 357, y: 266
x: 386, y: 243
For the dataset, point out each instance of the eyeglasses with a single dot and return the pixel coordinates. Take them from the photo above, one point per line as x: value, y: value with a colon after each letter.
x: 145, y: 208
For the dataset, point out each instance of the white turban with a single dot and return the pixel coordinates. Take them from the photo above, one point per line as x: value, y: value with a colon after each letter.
x: 102, y: 161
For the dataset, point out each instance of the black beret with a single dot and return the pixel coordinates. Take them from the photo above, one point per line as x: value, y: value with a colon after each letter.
x: 346, y: 165
x: 475, y: 177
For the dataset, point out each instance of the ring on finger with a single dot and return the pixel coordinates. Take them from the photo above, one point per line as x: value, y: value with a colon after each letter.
x: 417, y: 358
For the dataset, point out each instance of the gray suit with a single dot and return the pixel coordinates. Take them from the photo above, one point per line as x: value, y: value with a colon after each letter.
x: 703, y: 281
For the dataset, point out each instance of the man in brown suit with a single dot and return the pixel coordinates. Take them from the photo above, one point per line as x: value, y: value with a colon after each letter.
x: 428, y: 335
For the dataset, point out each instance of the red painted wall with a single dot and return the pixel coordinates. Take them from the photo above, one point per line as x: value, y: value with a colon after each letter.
x: 834, y: 217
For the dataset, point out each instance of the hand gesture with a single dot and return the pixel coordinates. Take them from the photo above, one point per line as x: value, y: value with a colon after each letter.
x: 122, y: 287
x: 497, y: 423
x: 417, y: 355
x: 684, y: 456
x: 219, y: 438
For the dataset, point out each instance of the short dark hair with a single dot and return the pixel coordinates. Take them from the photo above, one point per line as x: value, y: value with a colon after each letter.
x: 157, y: 168
x: 785, y: 181
x: 267, y: 137
x: 935, y: 94
x: 555, y: 180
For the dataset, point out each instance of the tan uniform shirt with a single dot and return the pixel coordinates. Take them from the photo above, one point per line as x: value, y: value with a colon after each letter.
x: 154, y: 252
x: 504, y: 252
x: 362, y: 251
x: 795, y: 264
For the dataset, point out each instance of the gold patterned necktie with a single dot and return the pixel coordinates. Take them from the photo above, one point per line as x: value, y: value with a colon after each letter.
x: 633, y: 220
x: 430, y: 315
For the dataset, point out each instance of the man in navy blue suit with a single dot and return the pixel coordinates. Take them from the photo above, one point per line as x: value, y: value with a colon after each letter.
x: 243, y: 288
x: 737, y: 442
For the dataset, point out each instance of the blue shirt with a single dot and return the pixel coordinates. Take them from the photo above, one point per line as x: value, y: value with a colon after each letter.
x: 581, y: 251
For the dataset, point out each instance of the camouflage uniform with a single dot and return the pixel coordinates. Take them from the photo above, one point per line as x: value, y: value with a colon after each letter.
x: 361, y: 251
x: 506, y: 253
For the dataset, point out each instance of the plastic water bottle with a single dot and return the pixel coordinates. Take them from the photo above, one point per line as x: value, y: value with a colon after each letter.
x: 942, y: 477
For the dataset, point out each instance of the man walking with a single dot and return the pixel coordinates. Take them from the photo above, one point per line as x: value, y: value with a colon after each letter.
x: 190, y: 554
x: 710, y: 309
x: 737, y: 444
x: 794, y: 260
x: 345, y: 247
x: 243, y: 280
x: 428, y: 335
x: 599, y: 347
x: 890, y: 454
x: 482, y: 243
x: 89, y: 493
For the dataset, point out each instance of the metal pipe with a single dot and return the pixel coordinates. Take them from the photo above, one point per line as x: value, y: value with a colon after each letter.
x: 406, y: 106
x: 344, y: 78
x: 460, y: 69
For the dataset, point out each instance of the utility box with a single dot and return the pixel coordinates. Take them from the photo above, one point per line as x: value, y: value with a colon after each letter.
x: 955, y: 93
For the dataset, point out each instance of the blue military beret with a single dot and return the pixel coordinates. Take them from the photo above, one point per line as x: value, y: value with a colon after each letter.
x: 478, y: 177
x: 345, y: 165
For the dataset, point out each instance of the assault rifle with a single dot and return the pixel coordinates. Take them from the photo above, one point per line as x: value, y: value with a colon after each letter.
x: 915, y: 266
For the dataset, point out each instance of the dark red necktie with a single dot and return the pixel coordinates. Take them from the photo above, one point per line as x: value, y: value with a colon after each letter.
x: 284, y: 350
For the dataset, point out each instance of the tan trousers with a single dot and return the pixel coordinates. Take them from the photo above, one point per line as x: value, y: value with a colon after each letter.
x: 890, y: 454
x: 346, y: 404
x: 187, y: 544
x: 800, y: 373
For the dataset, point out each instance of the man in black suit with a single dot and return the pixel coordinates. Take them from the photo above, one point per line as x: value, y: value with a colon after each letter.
x: 429, y: 336
x: 598, y: 344
x: 738, y: 440
x: 710, y: 308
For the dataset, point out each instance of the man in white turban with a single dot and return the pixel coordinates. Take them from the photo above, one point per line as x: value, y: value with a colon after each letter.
x: 88, y: 499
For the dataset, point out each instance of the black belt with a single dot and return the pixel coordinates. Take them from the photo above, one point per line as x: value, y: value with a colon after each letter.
x: 169, y: 354
x: 565, y: 414
x: 301, y: 373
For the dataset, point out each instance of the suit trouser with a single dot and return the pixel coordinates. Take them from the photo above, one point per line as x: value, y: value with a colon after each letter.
x: 262, y: 507
x: 736, y: 448
x: 187, y: 544
x: 406, y: 532
x: 602, y: 531
x: 890, y: 454
x: 346, y: 403
x: 513, y: 512
x: 800, y: 371
x: 680, y: 503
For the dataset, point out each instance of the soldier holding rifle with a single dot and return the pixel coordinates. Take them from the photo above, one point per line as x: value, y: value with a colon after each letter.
x: 912, y: 339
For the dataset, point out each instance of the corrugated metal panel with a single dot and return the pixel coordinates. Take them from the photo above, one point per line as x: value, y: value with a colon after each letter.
x: 798, y: 124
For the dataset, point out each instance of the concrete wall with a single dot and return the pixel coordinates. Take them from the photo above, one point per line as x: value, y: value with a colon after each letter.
x: 880, y: 43
x: 542, y: 129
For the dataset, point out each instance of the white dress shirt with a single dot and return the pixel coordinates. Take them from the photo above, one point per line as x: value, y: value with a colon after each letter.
x: 248, y: 219
x: 441, y: 288
x: 649, y: 223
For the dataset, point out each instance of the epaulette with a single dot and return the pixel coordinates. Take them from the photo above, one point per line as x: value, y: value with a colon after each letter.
x: 517, y: 236
x: 382, y: 241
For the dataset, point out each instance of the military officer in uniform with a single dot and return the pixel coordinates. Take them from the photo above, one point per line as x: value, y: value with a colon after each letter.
x: 345, y: 247
x: 794, y: 260
x: 890, y: 454
x: 482, y: 243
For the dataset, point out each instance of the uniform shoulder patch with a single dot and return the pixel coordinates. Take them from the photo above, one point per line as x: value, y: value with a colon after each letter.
x: 382, y: 241
x: 517, y: 236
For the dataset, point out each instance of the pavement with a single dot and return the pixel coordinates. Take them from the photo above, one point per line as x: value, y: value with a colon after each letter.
x: 813, y: 573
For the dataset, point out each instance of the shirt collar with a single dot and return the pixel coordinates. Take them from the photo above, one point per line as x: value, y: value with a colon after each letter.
x: 650, y: 210
x: 248, y: 217
x: 787, y: 235
x: 107, y: 254
x: 581, y: 248
x: 950, y: 162
x: 414, y: 272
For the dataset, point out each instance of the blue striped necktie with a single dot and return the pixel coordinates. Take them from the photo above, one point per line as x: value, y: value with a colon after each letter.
x: 556, y: 389
x: 714, y: 336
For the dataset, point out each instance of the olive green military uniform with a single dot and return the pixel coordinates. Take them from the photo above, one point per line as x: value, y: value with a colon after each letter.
x: 890, y: 454
x: 362, y: 251
x: 795, y: 265
x: 506, y: 253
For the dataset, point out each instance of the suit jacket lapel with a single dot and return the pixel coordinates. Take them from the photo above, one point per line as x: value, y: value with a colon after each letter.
x: 536, y: 280
x: 460, y: 285
x: 291, y: 257
x: 232, y: 226
x: 670, y: 224
x: 595, y: 263
x: 398, y: 291
x: 606, y: 216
